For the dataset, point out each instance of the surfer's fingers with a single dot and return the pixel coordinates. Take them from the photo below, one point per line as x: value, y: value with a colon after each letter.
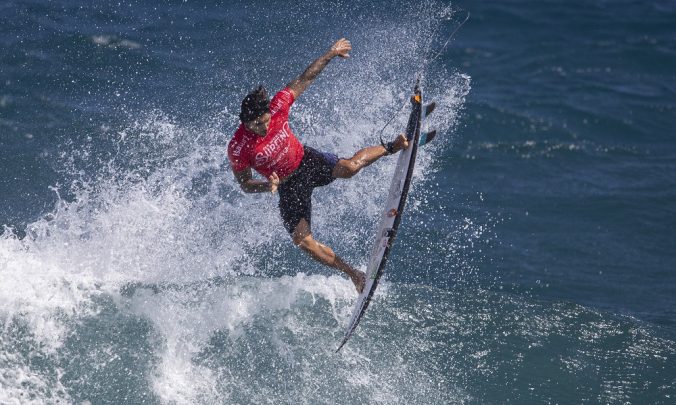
x: 342, y: 47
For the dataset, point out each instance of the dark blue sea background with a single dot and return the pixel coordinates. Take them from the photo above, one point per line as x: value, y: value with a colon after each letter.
x: 536, y: 262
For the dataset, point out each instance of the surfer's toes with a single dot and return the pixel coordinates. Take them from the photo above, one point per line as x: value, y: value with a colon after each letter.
x: 359, y: 280
x: 400, y: 143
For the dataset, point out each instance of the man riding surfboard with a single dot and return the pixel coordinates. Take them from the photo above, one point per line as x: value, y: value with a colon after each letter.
x: 264, y: 142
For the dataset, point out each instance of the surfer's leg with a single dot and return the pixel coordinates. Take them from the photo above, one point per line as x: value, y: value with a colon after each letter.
x: 295, y: 207
x: 302, y: 237
x: 346, y: 168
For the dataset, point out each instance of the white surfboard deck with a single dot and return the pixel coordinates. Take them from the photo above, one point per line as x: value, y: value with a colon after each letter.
x: 391, y: 215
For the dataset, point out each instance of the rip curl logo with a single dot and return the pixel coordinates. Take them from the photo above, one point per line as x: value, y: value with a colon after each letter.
x: 274, y: 146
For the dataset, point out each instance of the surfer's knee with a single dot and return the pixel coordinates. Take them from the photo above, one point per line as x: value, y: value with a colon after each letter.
x: 306, y: 243
x: 347, y: 168
x: 298, y: 240
x: 302, y: 237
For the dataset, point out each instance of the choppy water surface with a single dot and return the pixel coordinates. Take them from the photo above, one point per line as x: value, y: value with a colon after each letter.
x: 535, y: 263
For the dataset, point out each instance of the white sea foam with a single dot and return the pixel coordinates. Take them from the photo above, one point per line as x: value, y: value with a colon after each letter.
x: 22, y: 384
x: 187, y: 319
x: 114, y: 42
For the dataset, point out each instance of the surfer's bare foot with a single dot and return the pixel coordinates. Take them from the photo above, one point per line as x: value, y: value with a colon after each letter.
x: 359, y: 280
x: 399, y: 143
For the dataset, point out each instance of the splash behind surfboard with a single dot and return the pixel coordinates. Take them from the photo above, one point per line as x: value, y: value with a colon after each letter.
x: 396, y: 200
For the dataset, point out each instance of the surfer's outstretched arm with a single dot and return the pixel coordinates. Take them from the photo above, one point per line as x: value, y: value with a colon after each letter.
x: 341, y: 48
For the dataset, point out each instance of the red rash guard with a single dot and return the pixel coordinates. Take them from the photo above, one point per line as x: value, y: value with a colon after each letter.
x: 279, y: 151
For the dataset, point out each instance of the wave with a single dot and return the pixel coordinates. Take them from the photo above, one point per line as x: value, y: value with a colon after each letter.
x: 156, y: 276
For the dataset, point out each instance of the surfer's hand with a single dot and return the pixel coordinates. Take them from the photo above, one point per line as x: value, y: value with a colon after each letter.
x: 274, y: 182
x: 341, y: 48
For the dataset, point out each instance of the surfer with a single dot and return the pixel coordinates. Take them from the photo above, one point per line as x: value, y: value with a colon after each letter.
x: 264, y: 142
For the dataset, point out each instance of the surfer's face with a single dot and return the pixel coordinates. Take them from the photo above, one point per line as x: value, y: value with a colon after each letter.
x: 259, y: 126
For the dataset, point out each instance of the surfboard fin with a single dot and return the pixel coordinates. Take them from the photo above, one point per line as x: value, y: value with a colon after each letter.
x: 429, y: 108
x: 426, y: 137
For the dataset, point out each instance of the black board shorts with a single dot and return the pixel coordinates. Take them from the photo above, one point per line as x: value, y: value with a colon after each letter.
x: 295, y: 193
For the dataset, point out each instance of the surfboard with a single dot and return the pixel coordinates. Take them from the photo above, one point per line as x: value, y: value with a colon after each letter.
x: 394, y: 207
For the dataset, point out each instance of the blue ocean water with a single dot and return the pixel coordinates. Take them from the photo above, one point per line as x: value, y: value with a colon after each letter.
x: 535, y: 263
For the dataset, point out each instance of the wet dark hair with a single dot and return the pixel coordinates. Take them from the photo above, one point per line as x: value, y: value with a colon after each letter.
x: 255, y: 104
